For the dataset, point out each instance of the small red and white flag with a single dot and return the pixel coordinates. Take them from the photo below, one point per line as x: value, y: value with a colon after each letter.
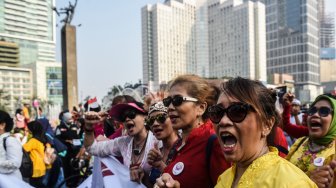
x: 92, y: 103
x: 93, y: 100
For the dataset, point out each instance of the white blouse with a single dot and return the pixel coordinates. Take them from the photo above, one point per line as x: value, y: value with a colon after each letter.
x: 122, y: 146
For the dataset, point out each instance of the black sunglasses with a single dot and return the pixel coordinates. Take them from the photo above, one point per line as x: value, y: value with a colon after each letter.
x: 128, y: 114
x: 322, y: 111
x: 177, y: 100
x: 161, y: 118
x: 235, y: 112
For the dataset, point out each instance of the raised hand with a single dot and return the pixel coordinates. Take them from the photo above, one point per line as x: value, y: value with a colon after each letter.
x: 288, y: 98
x: 324, y: 176
x: 166, y: 181
x: 155, y: 158
x: 94, y: 117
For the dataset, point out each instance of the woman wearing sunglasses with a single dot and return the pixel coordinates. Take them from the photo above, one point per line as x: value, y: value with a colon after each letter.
x: 245, y: 117
x: 160, y: 156
x: 133, y: 148
x: 188, y: 99
x: 314, y: 154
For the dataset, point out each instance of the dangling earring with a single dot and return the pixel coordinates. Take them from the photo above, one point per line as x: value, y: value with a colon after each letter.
x: 199, y: 119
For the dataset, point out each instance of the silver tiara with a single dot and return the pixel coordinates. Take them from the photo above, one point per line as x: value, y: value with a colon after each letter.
x: 159, y: 106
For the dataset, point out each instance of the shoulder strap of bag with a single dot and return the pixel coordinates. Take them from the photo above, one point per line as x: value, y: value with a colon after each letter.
x: 282, y: 149
x: 49, y: 136
x: 4, y: 142
x: 208, y: 154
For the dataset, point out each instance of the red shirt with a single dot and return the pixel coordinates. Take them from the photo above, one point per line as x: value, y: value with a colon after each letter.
x: 280, y: 140
x: 98, y: 129
x: 192, y: 156
x: 292, y: 130
x: 116, y: 134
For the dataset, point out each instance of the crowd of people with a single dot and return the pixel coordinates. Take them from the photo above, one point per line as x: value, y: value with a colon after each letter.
x: 35, y: 152
x: 194, y: 134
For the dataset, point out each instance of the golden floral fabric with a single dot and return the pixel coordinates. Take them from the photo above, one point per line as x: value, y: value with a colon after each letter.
x: 269, y: 171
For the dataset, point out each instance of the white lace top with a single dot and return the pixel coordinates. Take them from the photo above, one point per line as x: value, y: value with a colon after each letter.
x: 122, y: 146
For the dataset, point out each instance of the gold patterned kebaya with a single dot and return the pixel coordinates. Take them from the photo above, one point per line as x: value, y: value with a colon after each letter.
x: 269, y: 170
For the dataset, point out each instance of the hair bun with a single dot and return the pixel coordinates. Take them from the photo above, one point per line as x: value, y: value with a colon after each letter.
x: 273, y: 94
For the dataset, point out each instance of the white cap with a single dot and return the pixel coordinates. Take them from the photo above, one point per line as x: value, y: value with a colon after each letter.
x: 296, y: 102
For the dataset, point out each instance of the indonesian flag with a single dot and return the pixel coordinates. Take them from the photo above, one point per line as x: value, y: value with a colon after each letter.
x: 92, y: 103
x: 109, y: 172
x: 93, y: 100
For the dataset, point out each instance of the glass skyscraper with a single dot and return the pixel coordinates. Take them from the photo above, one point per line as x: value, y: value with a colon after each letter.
x: 293, y: 43
x: 31, y: 25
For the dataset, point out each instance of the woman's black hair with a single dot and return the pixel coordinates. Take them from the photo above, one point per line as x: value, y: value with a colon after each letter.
x: 256, y: 94
x: 109, y: 125
x: 18, y: 111
x: 5, y: 118
x: 37, y: 131
x: 122, y: 99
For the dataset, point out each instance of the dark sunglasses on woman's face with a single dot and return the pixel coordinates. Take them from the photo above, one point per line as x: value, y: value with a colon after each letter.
x: 235, y: 112
x: 177, y: 100
x: 161, y: 118
x: 322, y: 111
x: 128, y: 114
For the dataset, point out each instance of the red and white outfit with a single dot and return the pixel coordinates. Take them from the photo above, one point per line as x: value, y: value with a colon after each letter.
x: 189, y: 166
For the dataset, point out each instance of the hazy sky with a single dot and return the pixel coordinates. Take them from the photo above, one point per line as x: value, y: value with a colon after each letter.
x: 109, y: 43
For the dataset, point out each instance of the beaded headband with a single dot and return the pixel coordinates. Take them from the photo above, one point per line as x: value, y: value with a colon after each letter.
x: 159, y: 106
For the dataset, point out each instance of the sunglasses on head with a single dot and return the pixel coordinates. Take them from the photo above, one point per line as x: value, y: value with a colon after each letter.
x: 161, y: 118
x: 235, y: 112
x: 128, y: 114
x: 322, y: 111
x: 177, y: 100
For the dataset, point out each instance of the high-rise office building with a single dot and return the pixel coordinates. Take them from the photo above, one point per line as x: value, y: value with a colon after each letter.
x: 31, y: 25
x: 16, y: 87
x: 327, y: 26
x: 202, y: 39
x: 168, y: 41
x: 47, y: 81
x: 237, y: 39
x: 293, y: 43
x: 9, y: 54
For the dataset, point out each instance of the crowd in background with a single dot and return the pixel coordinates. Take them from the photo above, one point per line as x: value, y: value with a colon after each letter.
x: 194, y: 134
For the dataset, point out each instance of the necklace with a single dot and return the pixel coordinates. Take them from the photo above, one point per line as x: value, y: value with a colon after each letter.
x: 309, y: 153
x: 314, y: 148
x: 138, y: 150
x: 173, y: 151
